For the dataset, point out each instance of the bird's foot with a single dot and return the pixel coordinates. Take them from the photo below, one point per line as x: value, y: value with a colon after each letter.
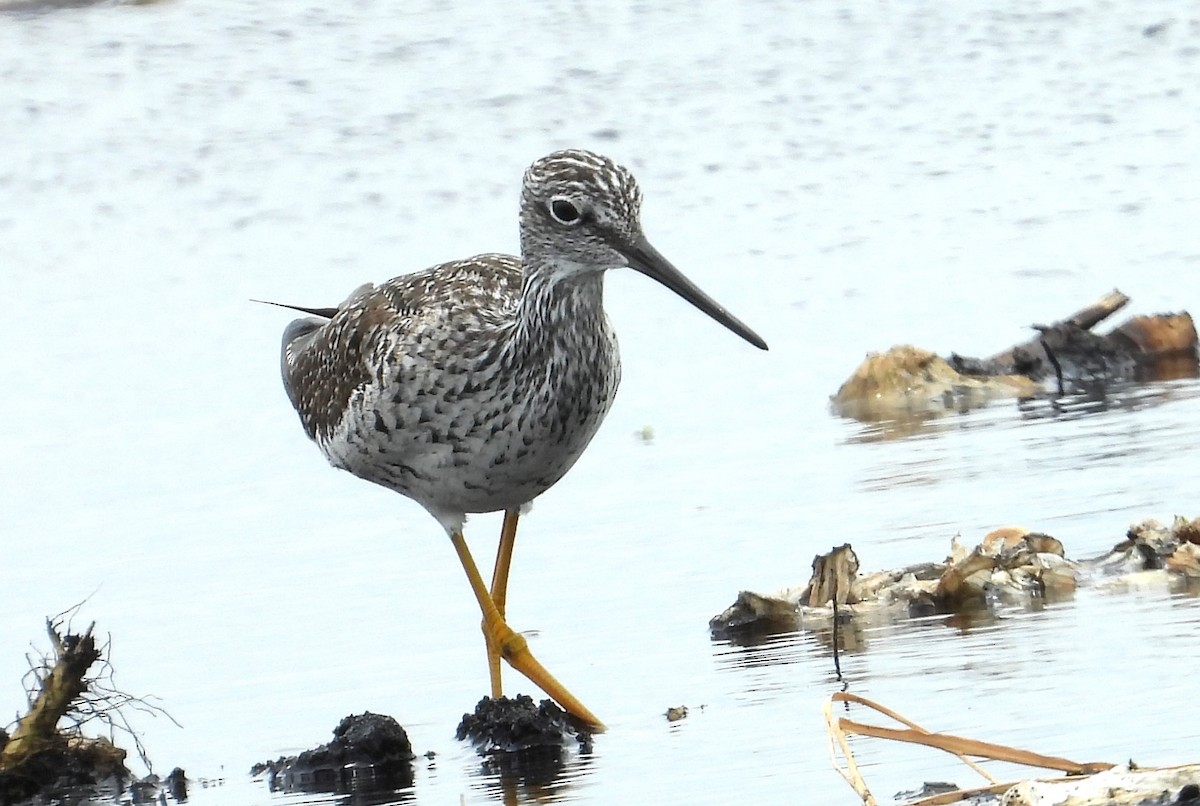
x: 505, y: 642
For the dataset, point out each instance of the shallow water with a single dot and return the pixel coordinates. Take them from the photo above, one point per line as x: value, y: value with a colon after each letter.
x: 842, y: 177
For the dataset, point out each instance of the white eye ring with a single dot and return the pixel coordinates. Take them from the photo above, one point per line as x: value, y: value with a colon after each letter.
x: 564, y: 211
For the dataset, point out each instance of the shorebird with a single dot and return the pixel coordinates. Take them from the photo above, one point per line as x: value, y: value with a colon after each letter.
x: 475, y: 385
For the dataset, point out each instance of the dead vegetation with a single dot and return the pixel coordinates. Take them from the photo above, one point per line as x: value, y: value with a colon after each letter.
x: 1010, y: 564
x: 1096, y: 783
x: 1063, y: 358
x: 70, y: 687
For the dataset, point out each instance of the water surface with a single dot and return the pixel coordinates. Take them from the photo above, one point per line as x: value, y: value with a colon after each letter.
x: 843, y: 177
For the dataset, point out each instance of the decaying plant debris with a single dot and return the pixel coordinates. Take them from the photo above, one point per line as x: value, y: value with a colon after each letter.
x: 40, y: 755
x: 1095, y: 783
x: 1009, y: 564
x: 1064, y: 357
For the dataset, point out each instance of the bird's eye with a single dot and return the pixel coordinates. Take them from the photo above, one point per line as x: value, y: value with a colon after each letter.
x: 564, y: 212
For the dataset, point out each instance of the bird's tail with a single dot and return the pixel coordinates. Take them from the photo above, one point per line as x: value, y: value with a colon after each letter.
x: 327, y: 313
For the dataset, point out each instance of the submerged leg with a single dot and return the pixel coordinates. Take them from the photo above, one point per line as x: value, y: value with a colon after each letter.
x: 508, y: 534
x: 511, y: 645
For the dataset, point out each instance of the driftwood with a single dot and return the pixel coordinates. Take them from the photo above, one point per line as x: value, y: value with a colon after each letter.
x: 1084, y: 319
x: 1063, y: 357
x: 1025, y: 559
x: 37, y: 730
x: 1143, y: 348
x: 907, y: 380
x: 37, y: 755
x: 47, y: 754
x: 1010, y: 564
x: 833, y: 578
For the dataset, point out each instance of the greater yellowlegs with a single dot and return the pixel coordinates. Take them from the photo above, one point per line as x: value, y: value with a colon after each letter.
x: 473, y: 386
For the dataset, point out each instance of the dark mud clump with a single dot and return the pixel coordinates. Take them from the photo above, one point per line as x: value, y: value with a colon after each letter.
x: 503, y: 725
x: 521, y: 740
x: 63, y: 767
x: 368, y: 752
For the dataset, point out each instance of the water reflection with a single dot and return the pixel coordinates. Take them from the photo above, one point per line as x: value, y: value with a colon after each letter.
x: 1104, y: 398
x: 1118, y: 430
x: 537, y: 775
x: 1087, y: 401
x: 351, y: 785
x: 163, y: 167
x: 31, y: 8
x: 365, y: 797
x: 758, y: 646
x: 906, y: 426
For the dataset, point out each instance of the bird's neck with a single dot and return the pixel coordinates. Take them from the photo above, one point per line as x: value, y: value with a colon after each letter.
x: 561, y: 309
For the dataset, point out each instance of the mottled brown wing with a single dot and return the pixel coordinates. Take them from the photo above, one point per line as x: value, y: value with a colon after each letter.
x: 324, y: 362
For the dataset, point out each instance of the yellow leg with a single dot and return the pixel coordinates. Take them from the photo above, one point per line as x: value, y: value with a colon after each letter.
x: 511, y: 645
x: 508, y: 534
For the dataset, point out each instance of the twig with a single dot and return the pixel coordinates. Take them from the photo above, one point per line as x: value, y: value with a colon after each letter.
x: 1058, y: 370
x: 958, y: 746
x: 837, y: 663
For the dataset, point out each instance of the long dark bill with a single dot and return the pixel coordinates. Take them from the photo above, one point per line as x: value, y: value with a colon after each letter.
x: 646, y: 259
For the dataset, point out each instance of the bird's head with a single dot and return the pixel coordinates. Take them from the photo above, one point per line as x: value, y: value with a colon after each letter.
x: 580, y: 211
x: 580, y: 214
